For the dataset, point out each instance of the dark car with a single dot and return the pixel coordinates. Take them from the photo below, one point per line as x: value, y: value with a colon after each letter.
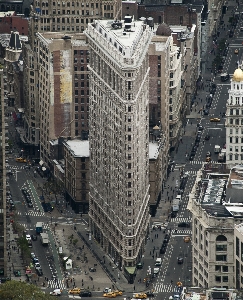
x: 39, y: 272
x: 173, y: 214
x: 150, y: 294
x: 198, y: 137
x: 30, y: 204
x: 207, y: 137
x: 139, y: 265
x: 208, y: 154
x: 162, y: 250
x: 184, y: 224
x: 34, y: 237
x: 206, y: 112
x: 166, y: 240
x: 167, y: 236
x: 85, y: 294
x: 180, y: 260
x: 35, y: 260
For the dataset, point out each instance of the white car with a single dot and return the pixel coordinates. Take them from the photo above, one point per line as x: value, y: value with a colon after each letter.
x: 56, y: 292
x: 32, y: 254
x: 28, y: 237
x: 37, y: 265
x: 107, y: 290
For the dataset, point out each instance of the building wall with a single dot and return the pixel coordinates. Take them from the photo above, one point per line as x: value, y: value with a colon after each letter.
x: 119, y: 166
x: 3, y: 224
x: 238, y: 254
x: 234, y: 123
x: 18, y: 23
x: 213, y: 260
x: 159, y: 50
x: 77, y: 180
x: 64, y: 94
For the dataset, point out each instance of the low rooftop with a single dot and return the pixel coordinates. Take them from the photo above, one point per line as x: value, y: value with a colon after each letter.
x: 220, y: 191
x: 78, y: 148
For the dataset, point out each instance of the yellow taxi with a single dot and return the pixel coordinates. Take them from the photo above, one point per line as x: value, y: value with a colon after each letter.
x: 110, y: 295
x: 187, y: 239
x: 179, y: 283
x: 215, y: 120
x: 140, y: 296
x: 208, y: 159
x: 117, y: 292
x: 21, y: 159
x: 74, y: 291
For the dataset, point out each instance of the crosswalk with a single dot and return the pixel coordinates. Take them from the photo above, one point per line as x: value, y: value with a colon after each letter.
x: 176, y: 231
x: 56, y: 284
x: 181, y: 219
x: 25, y: 225
x: 73, y: 296
x: 33, y: 213
x: 164, y: 288
x: 199, y: 162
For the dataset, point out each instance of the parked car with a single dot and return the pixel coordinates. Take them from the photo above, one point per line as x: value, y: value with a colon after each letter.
x: 74, y: 291
x: 34, y: 237
x: 56, y: 292
x: 28, y: 237
x: 207, y: 137
x: 180, y: 260
x: 206, y: 112
x: 30, y: 204
x: 208, y: 154
x: 215, y: 120
x: 162, y: 250
x: 39, y: 271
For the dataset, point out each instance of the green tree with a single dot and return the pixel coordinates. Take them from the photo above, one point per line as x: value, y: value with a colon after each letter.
x: 24, y: 248
x: 12, y: 290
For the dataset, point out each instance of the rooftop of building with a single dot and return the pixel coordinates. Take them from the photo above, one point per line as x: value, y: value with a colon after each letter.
x: 78, y: 148
x: 7, y: 13
x: 220, y: 191
x: 77, y: 39
x: 5, y: 39
x: 154, y: 148
x: 125, y: 38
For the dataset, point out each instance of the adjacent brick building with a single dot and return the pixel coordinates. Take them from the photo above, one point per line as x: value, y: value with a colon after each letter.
x: 9, y: 21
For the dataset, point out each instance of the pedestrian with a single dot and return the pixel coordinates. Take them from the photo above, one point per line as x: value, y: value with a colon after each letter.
x: 171, y: 281
x: 152, y: 240
x: 134, y: 288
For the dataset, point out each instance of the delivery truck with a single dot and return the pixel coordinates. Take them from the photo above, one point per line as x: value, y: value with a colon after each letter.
x: 44, y: 239
x: 39, y: 227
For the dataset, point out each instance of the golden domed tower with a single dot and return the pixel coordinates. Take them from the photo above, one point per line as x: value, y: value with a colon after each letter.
x: 234, y: 120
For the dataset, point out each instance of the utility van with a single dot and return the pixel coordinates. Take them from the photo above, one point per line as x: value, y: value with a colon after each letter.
x: 217, y: 149
x: 158, y: 262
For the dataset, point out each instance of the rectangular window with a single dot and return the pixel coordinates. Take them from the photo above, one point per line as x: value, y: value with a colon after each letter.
x: 218, y: 268
x: 221, y: 247
x: 218, y: 278
x: 221, y: 257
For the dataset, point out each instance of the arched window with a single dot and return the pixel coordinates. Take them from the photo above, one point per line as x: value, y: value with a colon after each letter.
x: 221, y: 238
